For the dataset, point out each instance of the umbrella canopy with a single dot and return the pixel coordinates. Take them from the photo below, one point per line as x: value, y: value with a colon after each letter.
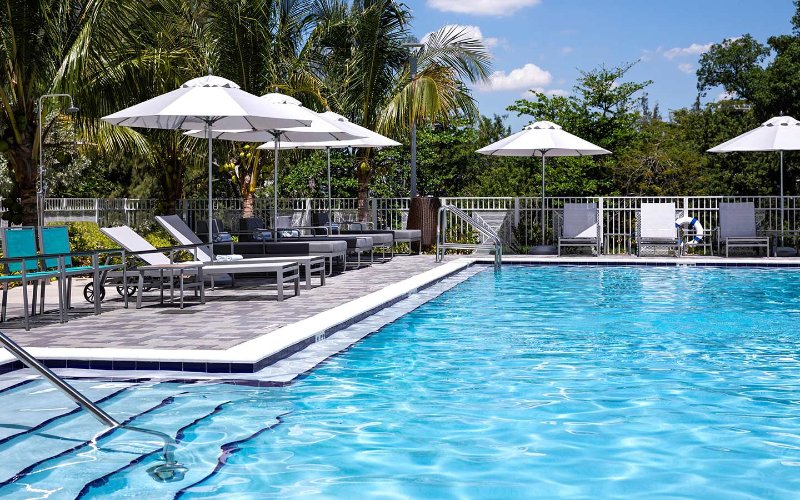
x: 367, y: 139
x: 542, y: 139
x: 780, y: 133
x: 207, y: 103
x: 204, y: 100
x: 321, y: 128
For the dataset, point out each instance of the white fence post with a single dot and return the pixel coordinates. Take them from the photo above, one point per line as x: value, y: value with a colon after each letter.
x: 516, y: 212
x: 601, y: 220
x: 97, y: 211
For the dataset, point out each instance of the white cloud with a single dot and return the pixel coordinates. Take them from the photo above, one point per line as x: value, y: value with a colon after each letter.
x: 566, y: 50
x: 482, y: 7
x: 470, y: 31
x: 686, y: 68
x: 529, y: 76
x: 692, y: 50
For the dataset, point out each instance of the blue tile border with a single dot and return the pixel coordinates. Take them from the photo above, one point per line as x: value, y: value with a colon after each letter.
x: 222, y: 367
x: 246, y: 368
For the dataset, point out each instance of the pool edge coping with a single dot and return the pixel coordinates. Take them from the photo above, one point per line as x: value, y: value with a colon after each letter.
x: 249, y: 356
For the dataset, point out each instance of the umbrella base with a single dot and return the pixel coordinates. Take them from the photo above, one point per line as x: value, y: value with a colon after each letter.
x: 543, y: 250
x: 785, y: 252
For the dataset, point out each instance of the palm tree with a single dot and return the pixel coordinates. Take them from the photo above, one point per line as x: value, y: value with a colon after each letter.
x: 260, y: 45
x: 360, y: 53
x: 106, y: 53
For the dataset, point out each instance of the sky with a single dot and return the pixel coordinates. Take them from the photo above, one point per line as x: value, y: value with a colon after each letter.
x: 544, y: 44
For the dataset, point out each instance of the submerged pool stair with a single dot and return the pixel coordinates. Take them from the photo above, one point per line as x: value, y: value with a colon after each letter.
x: 62, y: 450
x: 52, y: 447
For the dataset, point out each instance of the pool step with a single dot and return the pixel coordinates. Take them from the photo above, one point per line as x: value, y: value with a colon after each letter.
x: 71, y: 430
x: 24, y: 410
x: 199, y: 450
x: 68, y: 475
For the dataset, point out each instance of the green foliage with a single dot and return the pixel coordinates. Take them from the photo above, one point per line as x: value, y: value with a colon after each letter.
x: 87, y: 237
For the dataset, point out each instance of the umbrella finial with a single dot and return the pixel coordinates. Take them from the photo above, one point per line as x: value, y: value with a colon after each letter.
x: 209, y: 71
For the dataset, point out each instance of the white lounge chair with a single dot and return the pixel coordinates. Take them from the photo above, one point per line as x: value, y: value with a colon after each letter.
x: 580, y: 227
x: 285, y: 272
x: 737, y: 227
x: 657, y: 227
x: 182, y: 233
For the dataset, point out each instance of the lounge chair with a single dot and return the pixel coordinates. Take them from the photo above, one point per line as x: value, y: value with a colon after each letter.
x: 409, y: 236
x: 580, y: 227
x: 19, y: 250
x: 355, y: 245
x: 381, y: 239
x: 182, y: 233
x: 54, y: 241
x: 657, y: 227
x: 737, y: 227
x: 254, y: 248
x: 285, y: 272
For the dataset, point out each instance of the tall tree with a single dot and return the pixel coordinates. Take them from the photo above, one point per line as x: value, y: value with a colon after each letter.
x: 260, y: 44
x: 106, y: 53
x: 360, y: 51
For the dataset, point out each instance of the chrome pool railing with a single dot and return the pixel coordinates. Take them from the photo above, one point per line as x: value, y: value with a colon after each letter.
x: 477, y: 224
x: 168, y: 471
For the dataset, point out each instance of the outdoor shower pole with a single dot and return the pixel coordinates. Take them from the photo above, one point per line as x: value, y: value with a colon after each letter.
x: 41, y: 186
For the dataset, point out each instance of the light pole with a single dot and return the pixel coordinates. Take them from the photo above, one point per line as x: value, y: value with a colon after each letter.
x: 413, y: 63
x: 41, y: 185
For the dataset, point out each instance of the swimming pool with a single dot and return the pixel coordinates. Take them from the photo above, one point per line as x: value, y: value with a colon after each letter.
x: 534, y: 382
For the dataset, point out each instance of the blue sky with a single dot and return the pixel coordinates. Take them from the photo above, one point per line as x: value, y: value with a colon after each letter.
x: 544, y: 43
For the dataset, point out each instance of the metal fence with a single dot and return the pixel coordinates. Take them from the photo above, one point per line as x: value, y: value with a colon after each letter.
x: 517, y: 220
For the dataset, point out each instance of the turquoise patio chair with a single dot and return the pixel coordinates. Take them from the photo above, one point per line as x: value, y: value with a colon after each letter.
x: 22, y: 265
x: 54, y: 244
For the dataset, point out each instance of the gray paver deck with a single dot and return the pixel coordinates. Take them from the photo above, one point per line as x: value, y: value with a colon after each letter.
x: 229, y: 317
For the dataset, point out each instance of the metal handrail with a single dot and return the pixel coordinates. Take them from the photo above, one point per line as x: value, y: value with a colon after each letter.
x: 170, y: 470
x: 478, y: 225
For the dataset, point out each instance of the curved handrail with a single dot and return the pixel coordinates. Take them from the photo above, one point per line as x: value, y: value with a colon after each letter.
x: 478, y: 225
x: 170, y: 470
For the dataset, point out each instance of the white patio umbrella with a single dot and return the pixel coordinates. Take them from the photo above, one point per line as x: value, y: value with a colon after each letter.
x: 367, y: 139
x: 207, y: 103
x: 542, y: 139
x: 781, y: 133
x: 321, y: 128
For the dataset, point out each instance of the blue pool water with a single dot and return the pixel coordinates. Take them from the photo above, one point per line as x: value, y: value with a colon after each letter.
x: 535, y: 382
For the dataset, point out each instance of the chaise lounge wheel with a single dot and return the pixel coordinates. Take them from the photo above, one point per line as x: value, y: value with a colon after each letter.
x: 129, y: 290
x: 88, y: 293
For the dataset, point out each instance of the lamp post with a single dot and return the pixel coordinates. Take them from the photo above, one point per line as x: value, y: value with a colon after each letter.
x: 41, y: 185
x: 413, y: 63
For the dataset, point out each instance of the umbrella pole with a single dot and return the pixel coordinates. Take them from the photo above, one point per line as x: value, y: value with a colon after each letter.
x: 543, y: 223
x: 210, y: 191
x: 781, y: 198
x: 276, y: 140
x: 330, y: 208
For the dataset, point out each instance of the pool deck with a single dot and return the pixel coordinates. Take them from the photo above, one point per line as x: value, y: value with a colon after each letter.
x: 244, y: 329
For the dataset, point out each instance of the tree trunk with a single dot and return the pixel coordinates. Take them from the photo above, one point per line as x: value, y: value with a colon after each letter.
x: 248, y: 205
x: 24, y: 170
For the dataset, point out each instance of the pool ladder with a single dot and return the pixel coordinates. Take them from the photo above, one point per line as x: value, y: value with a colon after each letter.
x: 476, y: 223
x: 168, y: 471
